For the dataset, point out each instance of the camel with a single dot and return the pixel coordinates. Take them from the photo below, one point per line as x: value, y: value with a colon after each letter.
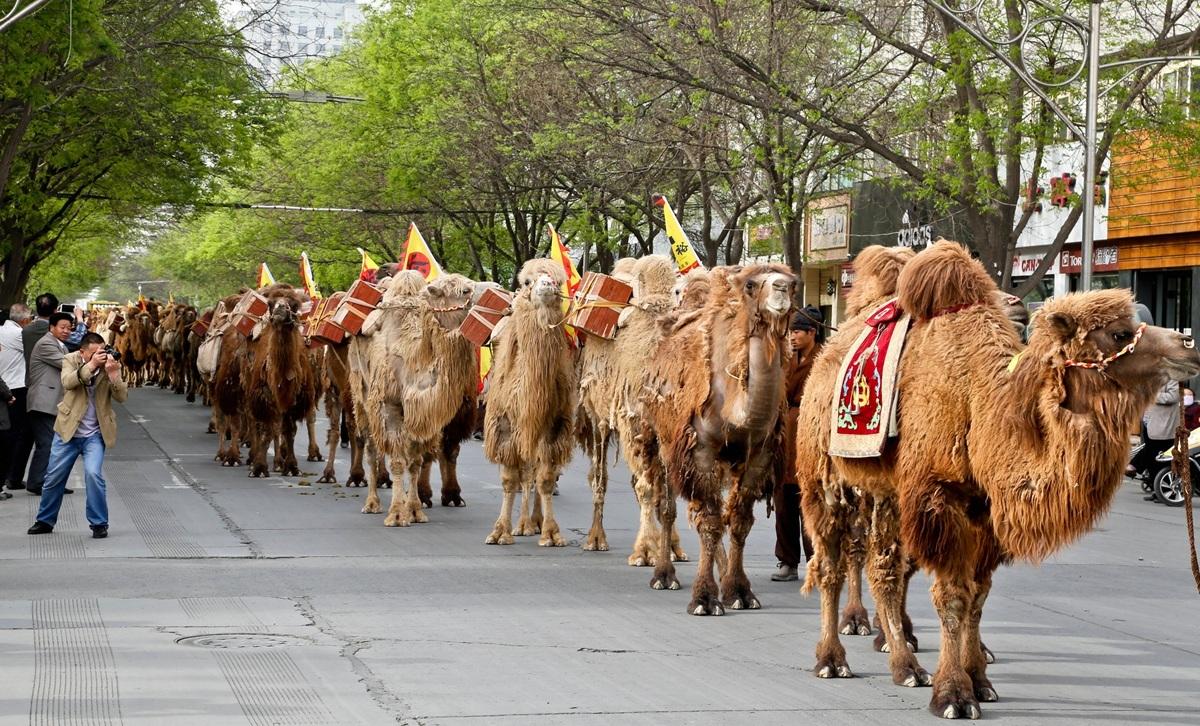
x: 339, y: 409
x: 610, y: 383
x: 278, y: 381
x: 1003, y: 454
x: 225, y: 381
x: 134, y: 342
x: 531, y: 403
x: 195, y: 382
x: 712, y: 421
x: 419, y: 375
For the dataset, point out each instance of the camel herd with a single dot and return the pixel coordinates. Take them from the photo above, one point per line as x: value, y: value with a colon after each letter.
x: 1005, y: 450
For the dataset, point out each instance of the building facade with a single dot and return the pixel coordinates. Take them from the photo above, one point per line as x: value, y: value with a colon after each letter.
x: 283, y: 33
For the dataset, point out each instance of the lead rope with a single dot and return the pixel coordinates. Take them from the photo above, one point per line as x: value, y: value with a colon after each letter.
x: 1181, y: 467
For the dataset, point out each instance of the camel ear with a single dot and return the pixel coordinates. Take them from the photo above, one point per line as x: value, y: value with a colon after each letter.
x: 1063, y: 326
x: 623, y: 318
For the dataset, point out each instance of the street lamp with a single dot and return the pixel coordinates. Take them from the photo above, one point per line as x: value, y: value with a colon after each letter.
x: 1088, y: 34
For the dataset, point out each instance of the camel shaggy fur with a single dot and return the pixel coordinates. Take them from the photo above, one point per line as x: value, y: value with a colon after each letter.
x: 610, y: 385
x: 1001, y: 454
x: 531, y: 403
x: 713, y: 399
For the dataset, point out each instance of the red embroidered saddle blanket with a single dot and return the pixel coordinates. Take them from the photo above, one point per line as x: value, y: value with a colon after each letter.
x: 864, y: 408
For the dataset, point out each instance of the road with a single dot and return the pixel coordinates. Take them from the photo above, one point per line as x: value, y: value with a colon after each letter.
x: 219, y: 599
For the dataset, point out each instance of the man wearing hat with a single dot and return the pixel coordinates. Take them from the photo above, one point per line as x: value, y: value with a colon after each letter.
x: 44, y: 393
x: 789, y: 532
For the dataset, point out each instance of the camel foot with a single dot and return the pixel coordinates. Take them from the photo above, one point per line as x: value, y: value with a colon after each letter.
x: 833, y: 668
x: 912, y: 676
x: 855, y: 621
x: 372, y: 506
x: 950, y: 701
x: 740, y: 597
x: 356, y: 480
x: 259, y: 470
x: 642, y: 555
x: 419, y: 517
x: 328, y: 477
x: 526, y: 528
x: 988, y: 655
x: 678, y: 555
x: 315, y: 457
x: 552, y: 537
x: 596, y: 542
x: 881, y: 644
x: 191, y: 398
x: 706, y: 604
x: 291, y: 470
x: 426, y: 500
x: 394, y: 519
x: 499, y: 536
x: 665, y: 581
x: 211, y: 429
x: 986, y: 694
x: 453, y: 499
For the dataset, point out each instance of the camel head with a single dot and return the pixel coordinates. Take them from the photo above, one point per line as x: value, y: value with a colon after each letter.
x: 449, y: 297
x: 541, y: 282
x: 403, y: 284
x: 691, y: 290
x: 283, y: 304
x: 769, y: 290
x: 876, y: 271
x: 653, y: 276
x: 1095, y: 337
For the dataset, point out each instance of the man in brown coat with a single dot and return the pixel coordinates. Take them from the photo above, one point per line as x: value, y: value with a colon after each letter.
x: 85, y: 426
x: 789, y: 532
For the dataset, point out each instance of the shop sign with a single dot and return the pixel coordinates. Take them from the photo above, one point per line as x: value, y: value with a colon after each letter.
x: 846, y: 276
x: 1104, y: 259
x: 828, y: 228
x: 1024, y: 265
x: 884, y: 213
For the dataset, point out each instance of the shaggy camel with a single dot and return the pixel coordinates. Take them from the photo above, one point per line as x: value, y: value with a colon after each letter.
x: 222, y: 367
x: 419, y: 374
x: 713, y: 400
x: 531, y: 403
x: 1002, y: 454
x: 610, y: 383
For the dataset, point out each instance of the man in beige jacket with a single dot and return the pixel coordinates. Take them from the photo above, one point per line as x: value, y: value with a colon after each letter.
x: 85, y: 426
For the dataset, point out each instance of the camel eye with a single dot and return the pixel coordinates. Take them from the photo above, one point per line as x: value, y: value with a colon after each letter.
x: 751, y: 285
x: 1122, y: 335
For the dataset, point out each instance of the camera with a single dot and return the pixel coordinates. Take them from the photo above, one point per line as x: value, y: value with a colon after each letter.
x: 67, y: 308
x: 112, y: 352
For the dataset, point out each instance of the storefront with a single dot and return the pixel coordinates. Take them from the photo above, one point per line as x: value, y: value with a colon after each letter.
x: 826, y: 249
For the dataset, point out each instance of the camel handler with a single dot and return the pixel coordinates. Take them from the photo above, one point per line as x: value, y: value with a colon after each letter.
x: 85, y: 426
x: 789, y: 531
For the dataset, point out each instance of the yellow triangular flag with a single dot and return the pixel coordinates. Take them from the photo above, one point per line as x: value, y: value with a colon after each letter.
x: 560, y: 254
x: 417, y: 255
x: 306, y: 277
x: 681, y: 248
x: 264, y: 276
x: 368, y: 267
x: 485, y: 364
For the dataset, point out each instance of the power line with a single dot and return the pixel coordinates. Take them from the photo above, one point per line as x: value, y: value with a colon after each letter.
x: 392, y: 212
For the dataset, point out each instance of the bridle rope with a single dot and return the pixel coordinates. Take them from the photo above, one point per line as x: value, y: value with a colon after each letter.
x: 1101, y: 365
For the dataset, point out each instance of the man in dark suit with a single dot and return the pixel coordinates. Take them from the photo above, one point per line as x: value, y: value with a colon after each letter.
x: 45, y: 306
x: 44, y: 393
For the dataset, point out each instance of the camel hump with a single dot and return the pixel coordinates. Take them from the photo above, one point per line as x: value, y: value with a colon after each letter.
x: 941, y: 278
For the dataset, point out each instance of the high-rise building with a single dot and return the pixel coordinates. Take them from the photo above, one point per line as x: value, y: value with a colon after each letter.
x: 282, y: 33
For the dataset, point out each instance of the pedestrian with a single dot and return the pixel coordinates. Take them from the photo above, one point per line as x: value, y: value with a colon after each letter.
x: 85, y: 426
x: 789, y: 529
x: 44, y: 306
x: 1191, y: 410
x: 1158, y: 429
x: 14, y: 452
x: 45, y: 392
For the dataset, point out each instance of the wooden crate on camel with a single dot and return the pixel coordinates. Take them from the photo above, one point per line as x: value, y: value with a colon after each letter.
x: 360, y: 300
x: 598, y: 304
x: 492, y: 307
x: 249, y: 311
x: 320, y: 326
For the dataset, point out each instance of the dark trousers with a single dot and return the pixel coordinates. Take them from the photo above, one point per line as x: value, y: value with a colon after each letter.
x: 1144, y: 461
x: 15, y: 442
x: 790, y: 536
x: 42, y: 426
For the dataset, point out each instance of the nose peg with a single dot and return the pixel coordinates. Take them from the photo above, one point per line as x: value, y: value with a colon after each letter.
x: 1189, y: 342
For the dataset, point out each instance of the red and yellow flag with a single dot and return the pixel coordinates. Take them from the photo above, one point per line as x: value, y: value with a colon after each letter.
x: 306, y: 277
x: 560, y: 254
x: 681, y: 248
x: 264, y: 276
x: 485, y: 364
x: 141, y: 301
x: 417, y: 255
x: 369, y: 266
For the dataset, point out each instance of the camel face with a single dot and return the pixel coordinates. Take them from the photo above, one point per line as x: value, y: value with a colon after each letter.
x: 771, y: 289
x: 449, y: 297
x: 544, y: 290
x: 1159, y: 351
x: 282, y: 312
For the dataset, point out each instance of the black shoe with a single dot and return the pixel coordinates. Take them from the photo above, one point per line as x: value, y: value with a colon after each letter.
x: 40, y: 527
x: 15, y: 485
x: 68, y: 491
x: 34, y: 492
x: 100, y: 531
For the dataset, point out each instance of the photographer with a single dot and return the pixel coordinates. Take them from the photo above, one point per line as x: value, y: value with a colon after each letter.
x: 85, y: 426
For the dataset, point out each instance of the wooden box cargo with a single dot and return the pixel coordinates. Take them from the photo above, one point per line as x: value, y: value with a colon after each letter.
x: 598, y: 304
x: 249, y: 311
x: 365, y: 294
x: 117, y: 322
x: 351, y: 315
x: 481, y: 321
x: 320, y: 325
x: 200, y: 327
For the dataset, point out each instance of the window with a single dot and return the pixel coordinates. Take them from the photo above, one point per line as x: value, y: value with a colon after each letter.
x: 320, y: 33
x: 302, y: 30
x: 284, y: 46
x: 337, y: 32
x: 1182, y: 85
x: 267, y: 45
x: 320, y: 48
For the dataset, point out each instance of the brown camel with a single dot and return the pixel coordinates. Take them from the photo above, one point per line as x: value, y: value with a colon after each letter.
x: 713, y: 400
x: 339, y: 409
x: 221, y: 358
x: 610, y: 384
x: 1002, y: 454
x: 531, y: 404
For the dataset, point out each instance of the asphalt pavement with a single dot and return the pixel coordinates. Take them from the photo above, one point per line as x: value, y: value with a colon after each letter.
x: 219, y: 599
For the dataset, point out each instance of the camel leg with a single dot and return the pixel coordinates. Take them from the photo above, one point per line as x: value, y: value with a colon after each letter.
x: 333, y: 411
x: 399, y: 512
x: 827, y: 570
x: 510, y: 479
x: 551, y: 535
x: 372, y: 505
x: 881, y: 643
x: 735, y: 586
x: 953, y: 689
x: 357, y: 474
x: 314, y: 449
x: 974, y: 653
x: 277, y: 462
x: 260, y: 440
x: 705, y: 595
x: 597, y: 448
x: 287, y: 442
x: 424, y: 490
x: 646, y: 544
x: 854, y: 620
x: 448, y: 466
x: 664, y: 567
x: 527, y: 523
x: 887, y: 565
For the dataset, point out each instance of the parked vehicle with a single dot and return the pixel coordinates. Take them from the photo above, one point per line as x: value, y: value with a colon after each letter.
x: 1168, y: 488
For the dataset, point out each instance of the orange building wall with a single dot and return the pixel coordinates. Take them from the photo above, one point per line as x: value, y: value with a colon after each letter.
x: 1151, y: 194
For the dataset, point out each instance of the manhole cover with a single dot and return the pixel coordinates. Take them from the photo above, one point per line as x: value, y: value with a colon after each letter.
x: 237, y: 641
